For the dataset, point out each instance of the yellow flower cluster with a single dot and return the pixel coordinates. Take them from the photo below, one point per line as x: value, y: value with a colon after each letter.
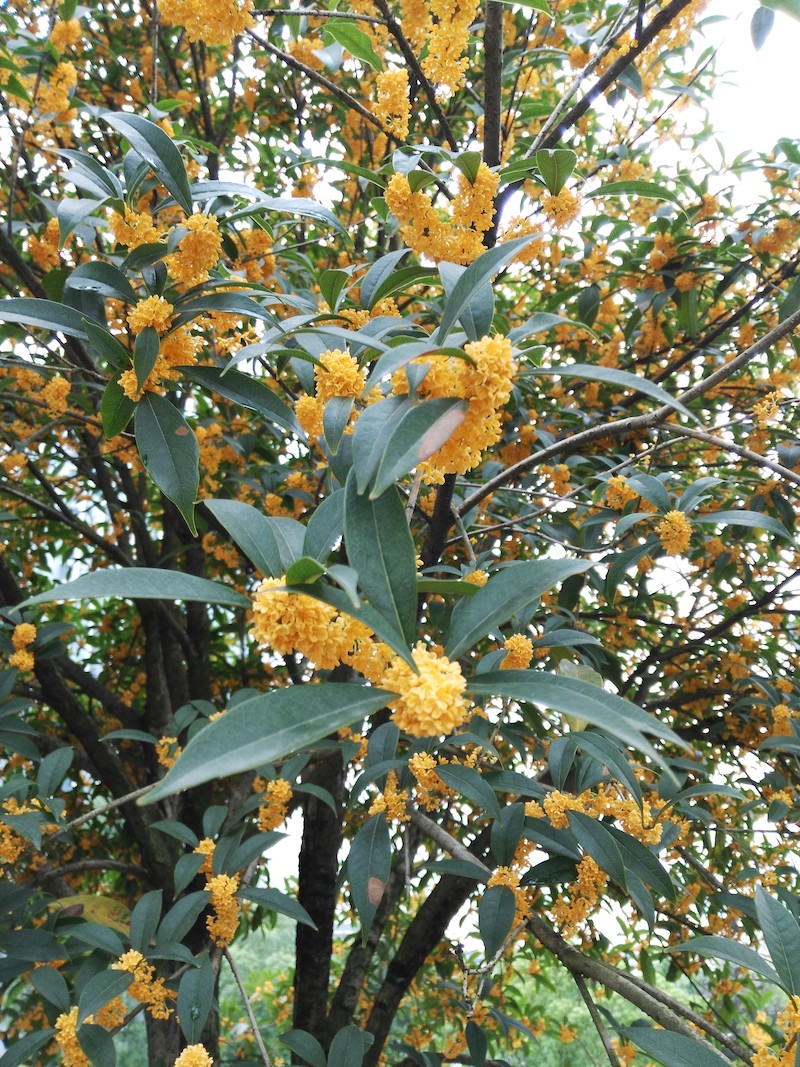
x: 430, y: 703
x: 65, y: 34
x: 222, y: 924
x: 66, y: 1037
x: 133, y: 229
x: 562, y: 208
x: 519, y: 653
x: 477, y: 577
x: 215, y: 22
x: 178, y: 350
x: 206, y: 848
x: 445, y: 63
x: 294, y: 622
x: 194, y: 1056
x: 53, y: 97
x: 167, y: 751
x: 44, y: 249
x: 153, y: 311
x: 458, y: 238
x: 145, y: 987
x: 339, y: 375
x: 198, y: 251
x: 486, y: 384
x: 55, y: 394
x: 393, y: 801
x: 431, y: 790
x: 582, y: 898
x: 508, y: 877
x: 781, y: 721
x: 392, y: 105
x: 278, y: 793
x: 619, y: 493
x: 675, y: 532
x: 23, y: 636
x: 767, y: 409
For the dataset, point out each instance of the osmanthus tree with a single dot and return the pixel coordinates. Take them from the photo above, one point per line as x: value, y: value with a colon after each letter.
x: 396, y: 415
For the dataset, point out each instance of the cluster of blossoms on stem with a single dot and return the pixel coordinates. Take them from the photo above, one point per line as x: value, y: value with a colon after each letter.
x: 145, y: 987
x: 392, y: 105
x: 485, y: 383
x: 277, y: 795
x: 519, y: 653
x: 222, y: 924
x: 215, y: 22
x: 198, y: 251
x: 194, y: 1056
x: 457, y: 238
x: 675, y: 532
x: 23, y: 636
x: 562, y: 208
x: 338, y: 375
x: 619, y: 492
x: 444, y: 62
x: 429, y: 703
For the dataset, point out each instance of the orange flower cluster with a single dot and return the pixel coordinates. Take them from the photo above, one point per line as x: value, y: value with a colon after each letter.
x: 277, y: 793
x: 198, y: 251
x: 675, y: 532
x: 145, y: 987
x: 23, y: 636
x: 485, y: 384
x: 392, y: 106
x: 222, y: 924
x: 431, y: 703
x: 519, y: 653
x: 339, y: 375
x: 445, y: 62
x: 457, y: 239
x: 215, y: 22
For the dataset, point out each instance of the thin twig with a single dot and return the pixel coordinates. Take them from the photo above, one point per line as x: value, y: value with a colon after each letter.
x: 248, y: 1007
x: 613, y: 1059
x: 100, y: 811
x: 738, y: 450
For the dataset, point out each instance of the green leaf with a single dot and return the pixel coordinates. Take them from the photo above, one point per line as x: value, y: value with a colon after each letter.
x: 266, y: 728
x: 782, y: 938
x: 331, y: 286
x: 496, y: 917
x: 369, y: 863
x: 52, y: 770
x: 754, y: 519
x: 116, y: 409
x: 70, y: 215
x: 170, y: 452
x: 760, y: 26
x: 510, y: 591
x: 674, y: 1050
x: 103, y: 279
x: 145, y: 353
x: 253, y: 533
x: 235, y: 303
x: 103, y: 181
x: 325, y: 526
x: 141, y: 583
x: 555, y: 166
x: 634, y: 187
x: 788, y: 7
x: 50, y: 984
x: 469, y: 163
x: 618, y: 717
x: 107, y: 346
x: 371, y: 429
x: 349, y: 1046
x: 722, y: 948
x: 469, y: 783
x: 622, y: 378
x: 474, y: 278
x: 99, y: 990
x: 144, y: 920
x: 43, y: 314
x: 476, y: 318
x: 379, y: 272
x: 305, y: 569
x: 195, y: 999
x: 25, y: 1048
x: 335, y: 417
x: 477, y: 1043
x: 637, y: 859
x: 306, y: 1046
x: 380, y: 547
x: 98, y: 1045
x: 415, y: 432
x: 157, y: 150
x: 288, y: 205
x: 282, y: 903
x: 246, y: 391
x: 354, y: 40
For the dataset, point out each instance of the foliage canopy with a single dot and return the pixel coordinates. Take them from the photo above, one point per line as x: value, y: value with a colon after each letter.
x: 397, y: 442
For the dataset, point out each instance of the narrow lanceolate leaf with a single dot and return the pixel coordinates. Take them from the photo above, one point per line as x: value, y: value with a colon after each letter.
x: 99, y: 990
x: 103, y: 279
x: 354, y: 40
x: 116, y: 409
x: 512, y: 590
x: 145, y: 353
x: 141, y: 583
x: 368, y: 866
x: 281, y: 903
x: 378, y: 273
x: 170, y: 452
x: 674, y: 1050
x: 349, y: 1047
x: 287, y: 205
x: 266, y: 728
x: 418, y: 432
x: 722, y: 948
x: 474, y: 278
x: 25, y: 1048
x: 754, y: 519
x: 248, y: 392
x: 634, y: 187
x: 496, y: 917
x: 252, y: 532
x: 380, y: 547
x: 43, y: 315
x: 618, y: 717
x: 622, y: 378
x: 782, y: 937
x: 157, y: 150
x: 195, y: 998
x: 469, y: 783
